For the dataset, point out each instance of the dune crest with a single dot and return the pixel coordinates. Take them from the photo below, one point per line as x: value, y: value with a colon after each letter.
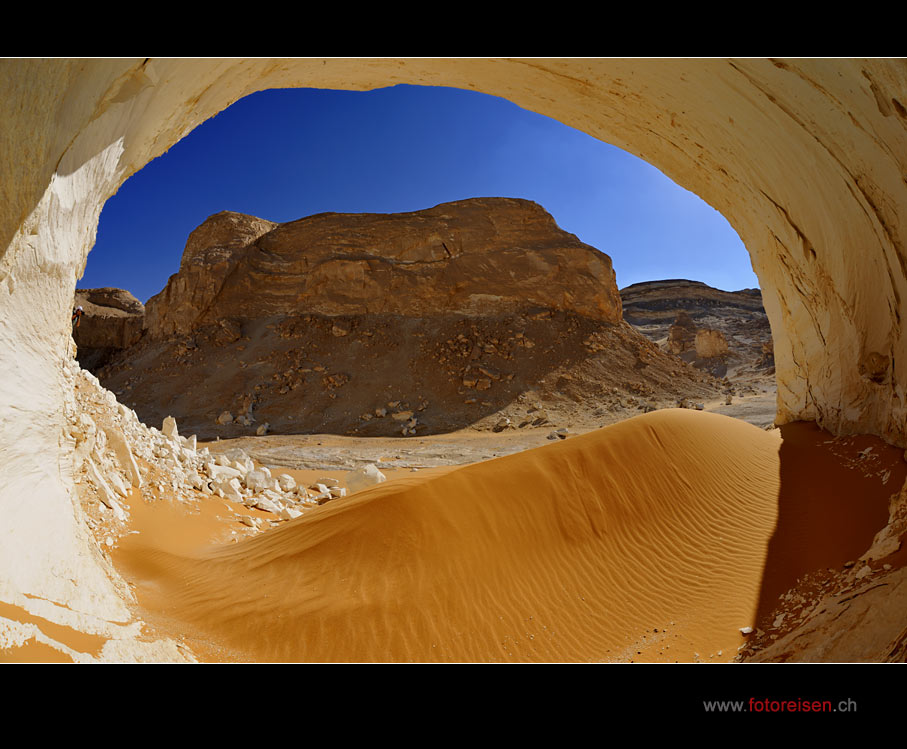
x: 645, y: 540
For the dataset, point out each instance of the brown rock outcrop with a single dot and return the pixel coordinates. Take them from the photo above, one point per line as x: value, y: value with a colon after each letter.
x: 710, y: 343
x: 112, y: 319
x: 682, y: 334
x: 471, y: 257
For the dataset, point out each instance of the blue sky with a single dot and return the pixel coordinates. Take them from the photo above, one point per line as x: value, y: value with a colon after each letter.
x: 285, y: 154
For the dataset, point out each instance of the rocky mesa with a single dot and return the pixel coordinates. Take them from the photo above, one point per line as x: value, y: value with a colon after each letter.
x: 471, y: 257
x: 479, y: 312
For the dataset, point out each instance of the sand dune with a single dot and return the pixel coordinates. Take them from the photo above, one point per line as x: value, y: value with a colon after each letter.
x: 655, y: 539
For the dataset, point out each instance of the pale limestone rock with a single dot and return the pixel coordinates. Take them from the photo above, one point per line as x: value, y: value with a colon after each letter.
x: 105, y: 493
x: 170, y: 431
x: 363, y: 477
x: 263, y: 503
x: 118, y: 484
x: 124, y: 455
x: 289, y: 513
x: 236, y: 455
x: 229, y: 488
x: 219, y: 472
x: 286, y: 482
x: 258, y: 480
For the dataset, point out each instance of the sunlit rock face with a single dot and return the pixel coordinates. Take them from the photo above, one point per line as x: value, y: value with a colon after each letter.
x: 806, y: 159
x: 469, y: 257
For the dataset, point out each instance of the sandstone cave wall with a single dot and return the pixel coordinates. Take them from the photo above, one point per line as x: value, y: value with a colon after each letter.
x: 805, y: 158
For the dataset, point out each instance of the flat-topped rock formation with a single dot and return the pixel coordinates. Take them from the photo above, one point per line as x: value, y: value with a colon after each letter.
x: 471, y: 257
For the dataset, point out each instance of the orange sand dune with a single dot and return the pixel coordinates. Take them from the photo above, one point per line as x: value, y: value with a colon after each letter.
x: 653, y: 539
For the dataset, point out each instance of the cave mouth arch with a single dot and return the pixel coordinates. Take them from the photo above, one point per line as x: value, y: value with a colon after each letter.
x: 770, y: 144
x: 805, y: 159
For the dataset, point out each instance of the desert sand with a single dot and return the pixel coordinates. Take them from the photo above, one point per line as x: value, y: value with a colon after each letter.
x: 656, y: 539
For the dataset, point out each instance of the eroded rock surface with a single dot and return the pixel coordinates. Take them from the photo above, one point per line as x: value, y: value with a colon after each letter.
x: 471, y: 257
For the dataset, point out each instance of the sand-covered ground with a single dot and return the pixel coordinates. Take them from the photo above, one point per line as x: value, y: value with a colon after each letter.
x: 655, y: 539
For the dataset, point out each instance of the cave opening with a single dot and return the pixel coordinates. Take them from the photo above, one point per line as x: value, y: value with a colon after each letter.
x: 279, y: 156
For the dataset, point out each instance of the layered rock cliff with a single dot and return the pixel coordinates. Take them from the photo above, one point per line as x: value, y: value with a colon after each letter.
x: 725, y: 332
x: 471, y: 257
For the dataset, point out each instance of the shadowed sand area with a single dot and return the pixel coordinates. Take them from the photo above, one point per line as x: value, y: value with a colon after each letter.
x: 655, y: 539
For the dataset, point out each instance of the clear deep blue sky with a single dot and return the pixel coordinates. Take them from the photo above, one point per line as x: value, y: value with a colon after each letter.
x: 285, y: 154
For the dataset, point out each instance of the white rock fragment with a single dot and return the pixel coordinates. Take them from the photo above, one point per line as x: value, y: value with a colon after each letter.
x: 258, y: 480
x: 217, y: 472
x: 231, y: 489
x: 288, y: 513
x: 263, y: 503
x: 286, y: 482
x: 746, y: 630
x: 105, y: 493
x: 170, y: 431
x: 363, y: 477
x: 124, y: 456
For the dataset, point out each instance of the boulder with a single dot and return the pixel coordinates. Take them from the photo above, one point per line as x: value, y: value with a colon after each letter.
x: 710, y: 343
x: 364, y: 477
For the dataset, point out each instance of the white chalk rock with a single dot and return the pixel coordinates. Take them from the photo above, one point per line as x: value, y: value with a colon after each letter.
x: 286, y: 482
x: 288, y: 513
x: 118, y: 484
x: 105, y: 493
x: 117, y: 441
x: 263, y: 503
x: 217, y: 472
x: 258, y: 481
x: 170, y: 431
x: 229, y: 488
x: 364, y: 477
x: 236, y: 455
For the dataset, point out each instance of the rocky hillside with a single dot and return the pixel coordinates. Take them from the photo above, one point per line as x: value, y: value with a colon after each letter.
x: 480, y: 312
x: 724, y: 332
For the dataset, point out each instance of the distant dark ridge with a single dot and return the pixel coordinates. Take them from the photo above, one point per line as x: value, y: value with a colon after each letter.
x: 667, y: 282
